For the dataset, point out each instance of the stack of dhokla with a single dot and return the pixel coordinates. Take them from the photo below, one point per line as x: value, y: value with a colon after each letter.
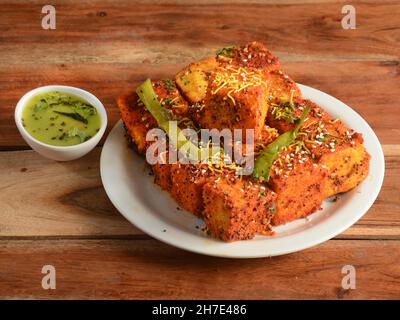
x: 245, y: 88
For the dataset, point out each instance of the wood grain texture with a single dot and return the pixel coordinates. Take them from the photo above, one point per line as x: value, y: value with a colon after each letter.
x: 148, y: 269
x: 370, y: 88
x: 40, y: 197
x: 61, y: 198
x: 108, y: 48
x: 203, y: 25
x: 58, y: 213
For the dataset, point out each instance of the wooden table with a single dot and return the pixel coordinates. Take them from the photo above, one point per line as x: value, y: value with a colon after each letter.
x: 58, y: 213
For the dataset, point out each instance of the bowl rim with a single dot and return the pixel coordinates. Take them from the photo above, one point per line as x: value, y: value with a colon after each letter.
x: 81, y: 93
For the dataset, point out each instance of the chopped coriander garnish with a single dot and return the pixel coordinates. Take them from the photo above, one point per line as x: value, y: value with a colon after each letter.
x: 285, y: 111
x: 226, y: 52
x: 168, y: 85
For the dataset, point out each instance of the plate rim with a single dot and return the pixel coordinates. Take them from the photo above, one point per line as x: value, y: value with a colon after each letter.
x: 308, y: 241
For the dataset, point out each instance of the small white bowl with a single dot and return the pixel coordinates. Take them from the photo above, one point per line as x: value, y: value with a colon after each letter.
x: 61, y: 153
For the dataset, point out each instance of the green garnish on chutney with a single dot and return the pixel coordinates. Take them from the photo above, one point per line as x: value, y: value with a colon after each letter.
x: 60, y: 119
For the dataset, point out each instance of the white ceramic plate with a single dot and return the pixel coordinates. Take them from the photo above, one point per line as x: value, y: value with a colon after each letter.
x: 132, y: 191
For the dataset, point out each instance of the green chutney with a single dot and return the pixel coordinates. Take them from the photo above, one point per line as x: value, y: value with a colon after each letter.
x: 60, y: 119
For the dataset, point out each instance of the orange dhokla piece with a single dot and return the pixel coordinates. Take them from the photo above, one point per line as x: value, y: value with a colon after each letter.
x: 236, y: 99
x: 281, y: 88
x: 193, y: 80
x: 170, y: 97
x: 138, y: 121
x: 255, y: 55
x: 252, y: 55
x: 328, y: 141
x: 283, y: 114
x: 299, y: 183
x: 162, y: 175
x: 341, y: 151
x: 237, y: 209
x: 347, y: 164
x: 187, y: 186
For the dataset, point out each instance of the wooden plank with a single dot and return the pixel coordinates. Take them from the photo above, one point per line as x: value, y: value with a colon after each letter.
x: 44, y: 198
x: 108, y: 48
x: 318, y: 27
x: 371, y: 88
x: 61, y: 198
x: 58, y: 213
x: 148, y: 269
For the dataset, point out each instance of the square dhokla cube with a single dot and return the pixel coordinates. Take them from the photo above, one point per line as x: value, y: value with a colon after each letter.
x: 235, y: 99
x: 187, y: 182
x: 299, y: 183
x: 341, y: 151
x: 138, y: 121
x: 255, y: 55
x: 193, y: 80
x: 328, y: 141
x: 237, y: 209
x: 162, y: 175
x: 281, y: 88
x: 252, y: 55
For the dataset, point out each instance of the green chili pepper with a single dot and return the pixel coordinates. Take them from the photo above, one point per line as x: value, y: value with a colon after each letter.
x: 149, y: 98
x: 266, y: 158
